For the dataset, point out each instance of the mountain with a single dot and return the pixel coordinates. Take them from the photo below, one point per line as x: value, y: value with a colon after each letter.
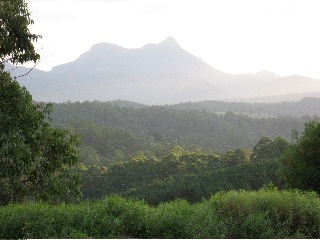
x: 161, y: 73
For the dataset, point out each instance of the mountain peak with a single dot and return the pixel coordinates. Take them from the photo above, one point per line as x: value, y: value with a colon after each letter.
x: 103, y: 46
x: 170, y: 42
x: 268, y: 74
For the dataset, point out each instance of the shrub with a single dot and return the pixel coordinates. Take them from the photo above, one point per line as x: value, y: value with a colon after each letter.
x: 267, y: 213
x: 170, y: 220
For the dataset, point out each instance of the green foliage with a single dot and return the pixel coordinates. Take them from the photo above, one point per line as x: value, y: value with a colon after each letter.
x: 305, y: 108
x: 268, y: 149
x: 16, y: 41
x: 170, y: 220
x: 195, y: 187
x: 189, y: 175
x: 114, y: 139
x: 237, y: 156
x: 112, y: 217
x: 267, y: 213
x: 107, y: 144
x: 164, y: 125
x: 34, y: 157
x: 300, y: 164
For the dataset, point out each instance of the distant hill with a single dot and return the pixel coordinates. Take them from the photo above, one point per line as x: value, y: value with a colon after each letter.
x: 126, y: 104
x: 164, y: 124
x: 161, y: 73
x: 307, y: 106
x: 293, y: 97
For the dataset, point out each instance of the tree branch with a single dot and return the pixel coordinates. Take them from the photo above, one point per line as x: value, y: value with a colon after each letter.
x: 28, y: 71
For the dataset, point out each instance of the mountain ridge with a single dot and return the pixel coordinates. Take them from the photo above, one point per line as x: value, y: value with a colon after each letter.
x: 162, y: 73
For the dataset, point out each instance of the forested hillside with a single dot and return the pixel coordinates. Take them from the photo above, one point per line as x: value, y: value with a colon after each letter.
x: 159, y: 153
x: 306, y: 107
x: 158, y: 124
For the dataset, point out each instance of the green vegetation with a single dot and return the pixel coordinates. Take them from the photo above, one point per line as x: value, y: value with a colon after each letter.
x: 308, y: 106
x: 161, y: 124
x: 267, y: 213
x: 16, y: 41
x: 35, y: 158
x: 300, y: 164
x: 190, y: 175
x: 147, y: 172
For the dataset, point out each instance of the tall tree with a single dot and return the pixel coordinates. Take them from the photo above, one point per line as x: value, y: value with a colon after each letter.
x: 35, y: 158
x: 300, y: 164
x: 266, y: 149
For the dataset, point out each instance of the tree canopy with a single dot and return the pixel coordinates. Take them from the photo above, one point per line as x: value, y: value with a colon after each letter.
x: 300, y: 164
x: 16, y: 41
x: 35, y: 158
x: 268, y: 149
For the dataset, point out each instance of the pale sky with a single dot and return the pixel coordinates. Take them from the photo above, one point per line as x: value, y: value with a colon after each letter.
x: 234, y: 36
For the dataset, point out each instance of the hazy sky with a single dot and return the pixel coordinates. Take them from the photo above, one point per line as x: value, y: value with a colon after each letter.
x: 235, y: 36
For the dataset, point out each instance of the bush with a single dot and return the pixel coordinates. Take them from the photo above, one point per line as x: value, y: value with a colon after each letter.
x: 170, y: 220
x: 267, y: 213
